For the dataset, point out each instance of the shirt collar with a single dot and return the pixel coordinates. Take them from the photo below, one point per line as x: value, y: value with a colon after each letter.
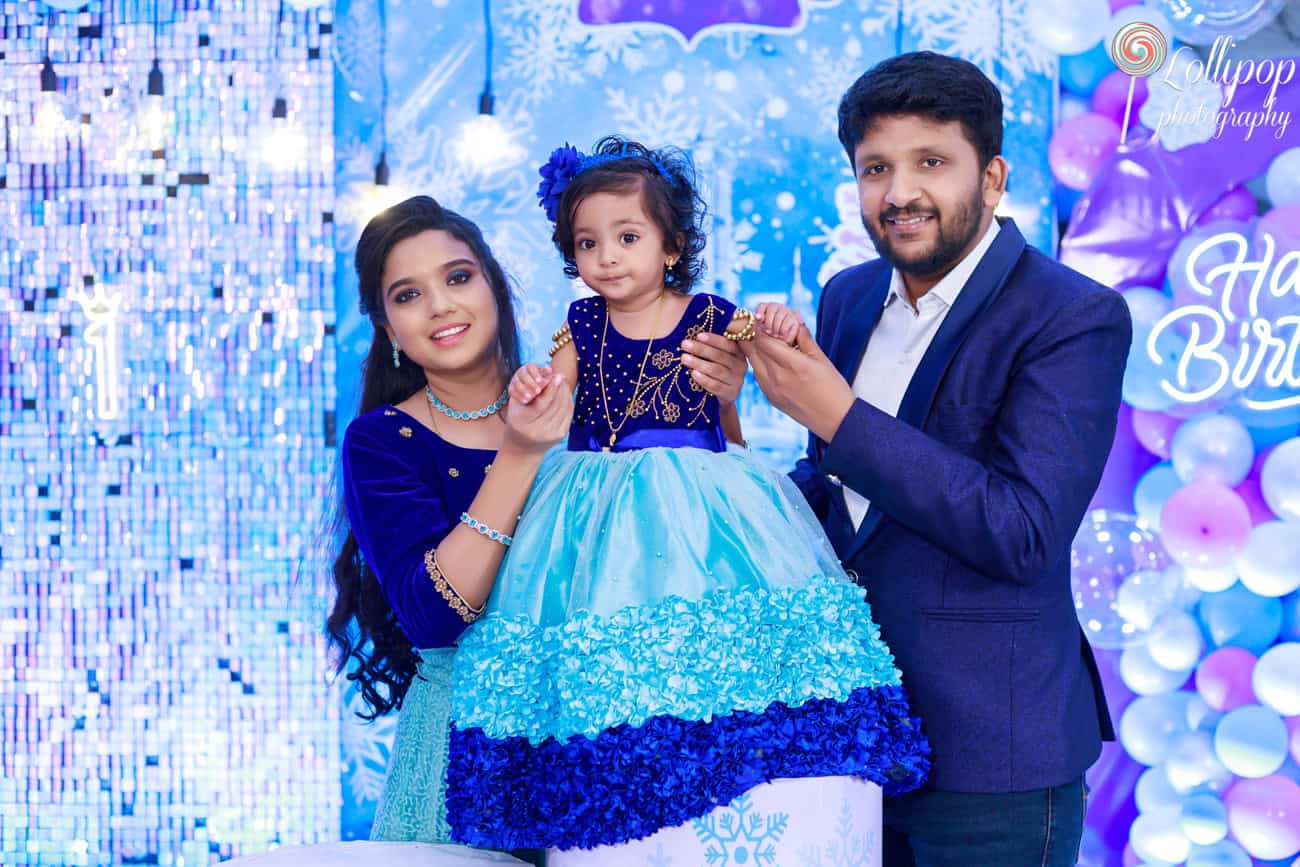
x: 947, y: 289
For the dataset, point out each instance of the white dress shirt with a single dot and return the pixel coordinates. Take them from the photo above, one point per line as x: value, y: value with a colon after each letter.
x: 900, y: 340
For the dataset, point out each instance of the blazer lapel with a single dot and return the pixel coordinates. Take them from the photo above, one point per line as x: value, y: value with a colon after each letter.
x: 979, y: 291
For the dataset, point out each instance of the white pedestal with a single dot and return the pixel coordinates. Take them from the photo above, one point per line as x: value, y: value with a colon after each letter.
x: 821, y: 820
x: 373, y: 854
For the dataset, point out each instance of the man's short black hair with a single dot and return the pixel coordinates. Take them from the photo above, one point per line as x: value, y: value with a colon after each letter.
x: 931, y: 85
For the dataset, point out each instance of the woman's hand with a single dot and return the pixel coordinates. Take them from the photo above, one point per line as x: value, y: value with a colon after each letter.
x: 539, y: 417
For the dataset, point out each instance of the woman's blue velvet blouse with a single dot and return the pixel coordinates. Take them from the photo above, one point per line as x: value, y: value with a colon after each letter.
x: 404, y: 489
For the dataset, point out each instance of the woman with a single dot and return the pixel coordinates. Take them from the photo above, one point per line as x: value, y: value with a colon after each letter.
x: 436, y: 469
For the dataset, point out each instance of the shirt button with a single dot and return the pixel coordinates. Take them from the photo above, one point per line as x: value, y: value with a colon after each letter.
x: 833, y: 479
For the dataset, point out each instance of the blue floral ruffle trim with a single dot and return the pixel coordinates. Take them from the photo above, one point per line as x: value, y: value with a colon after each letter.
x: 689, y: 659
x: 630, y: 781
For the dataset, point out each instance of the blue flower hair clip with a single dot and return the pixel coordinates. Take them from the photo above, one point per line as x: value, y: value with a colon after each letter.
x: 565, y: 164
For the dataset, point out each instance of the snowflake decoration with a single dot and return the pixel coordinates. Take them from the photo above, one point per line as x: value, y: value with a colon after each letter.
x: 738, y: 835
x: 989, y: 33
x: 847, y: 242
x: 365, y: 747
x: 832, y: 73
x: 849, y: 848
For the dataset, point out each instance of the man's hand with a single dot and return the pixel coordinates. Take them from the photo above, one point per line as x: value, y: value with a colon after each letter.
x: 801, y: 381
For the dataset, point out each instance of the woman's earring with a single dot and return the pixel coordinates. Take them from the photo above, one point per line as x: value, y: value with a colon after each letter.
x: 397, y: 362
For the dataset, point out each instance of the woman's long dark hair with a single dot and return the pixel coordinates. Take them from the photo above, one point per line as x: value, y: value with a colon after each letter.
x: 362, y: 625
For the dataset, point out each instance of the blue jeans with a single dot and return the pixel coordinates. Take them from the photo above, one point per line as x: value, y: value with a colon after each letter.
x: 1039, y: 828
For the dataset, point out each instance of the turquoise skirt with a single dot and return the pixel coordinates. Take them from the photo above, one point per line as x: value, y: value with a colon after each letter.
x: 670, y: 629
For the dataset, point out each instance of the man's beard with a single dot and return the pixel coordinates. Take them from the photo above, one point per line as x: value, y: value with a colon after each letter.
x: 952, y: 237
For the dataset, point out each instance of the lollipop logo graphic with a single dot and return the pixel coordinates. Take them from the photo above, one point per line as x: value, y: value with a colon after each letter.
x: 1138, y: 49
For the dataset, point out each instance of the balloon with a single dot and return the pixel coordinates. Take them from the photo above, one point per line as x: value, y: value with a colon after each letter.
x: 1240, y: 618
x: 1280, y: 479
x: 1270, y: 565
x: 1223, y: 678
x: 1153, y: 790
x: 1149, y: 723
x: 1080, y: 147
x: 1082, y: 73
x: 1200, y: 716
x: 1111, y: 95
x: 1175, y: 642
x: 1251, y: 741
x: 1157, y: 836
x: 1110, y: 549
x: 1142, y: 674
x: 1253, y: 496
x: 1237, y: 204
x: 1144, y: 596
x: 1283, y: 178
x: 1204, y: 525
x: 1290, y: 630
x: 1264, y: 816
x: 1276, y: 679
x: 1200, y: 22
x: 1283, y: 224
x: 1204, y: 819
x: 1069, y: 28
x: 1186, y: 272
x: 1155, y: 487
x: 1191, y: 764
x: 1146, y: 307
x: 1116, y: 5
x: 1155, y: 431
x: 1212, y: 580
x: 1214, y: 448
x: 1293, y: 726
x: 1224, y: 853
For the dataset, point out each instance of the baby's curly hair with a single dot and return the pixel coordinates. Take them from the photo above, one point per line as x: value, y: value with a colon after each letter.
x: 665, y: 179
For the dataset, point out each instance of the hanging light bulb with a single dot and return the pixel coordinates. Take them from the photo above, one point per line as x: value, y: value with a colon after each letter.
x: 153, y: 119
x: 484, y: 142
x: 49, y: 114
x: 285, y: 145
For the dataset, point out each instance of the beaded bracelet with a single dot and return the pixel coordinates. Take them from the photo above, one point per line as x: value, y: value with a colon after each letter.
x: 560, y: 339
x: 485, y: 530
x: 450, y: 594
x: 747, y: 332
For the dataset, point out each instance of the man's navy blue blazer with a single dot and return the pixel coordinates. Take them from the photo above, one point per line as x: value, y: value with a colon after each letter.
x: 977, y: 489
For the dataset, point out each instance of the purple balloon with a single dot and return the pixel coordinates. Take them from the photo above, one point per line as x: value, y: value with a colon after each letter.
x: 1080, y: 147
x: 1253, y: 496
x: 1223, y: 678
x: 1283, y: 224
x: 1111, y: 96
x: 1142, y: 202
x: 1237, y: 204
x: 1204, y: 525
x: 1155, y: 431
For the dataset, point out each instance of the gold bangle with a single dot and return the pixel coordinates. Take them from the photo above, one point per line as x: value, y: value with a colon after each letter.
x: 467, y: 612
x: 745, y: 334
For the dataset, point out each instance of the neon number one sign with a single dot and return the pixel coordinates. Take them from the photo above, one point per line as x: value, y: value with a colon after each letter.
x: 1265, y: 349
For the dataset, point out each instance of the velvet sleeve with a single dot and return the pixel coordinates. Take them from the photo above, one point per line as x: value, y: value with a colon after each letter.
x: 397, y: 518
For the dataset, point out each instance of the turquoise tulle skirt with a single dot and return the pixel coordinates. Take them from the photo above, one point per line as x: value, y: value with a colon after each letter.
x: 670, y: 628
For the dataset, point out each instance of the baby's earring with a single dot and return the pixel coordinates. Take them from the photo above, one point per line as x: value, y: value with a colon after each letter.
x: 397, y: 361
x: 669, y: 277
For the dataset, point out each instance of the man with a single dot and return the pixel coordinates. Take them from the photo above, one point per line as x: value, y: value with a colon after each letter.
x: 961, y: 396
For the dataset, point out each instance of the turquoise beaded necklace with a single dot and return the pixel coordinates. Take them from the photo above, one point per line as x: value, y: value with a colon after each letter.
x: 486, y: 411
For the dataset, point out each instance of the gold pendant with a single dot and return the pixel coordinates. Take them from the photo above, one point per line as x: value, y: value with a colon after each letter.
x: 612, y: 438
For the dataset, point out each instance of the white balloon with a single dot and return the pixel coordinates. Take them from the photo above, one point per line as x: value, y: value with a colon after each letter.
x: 1142, y: 674
x: 1276, y: 678
x: 1144, y: 596
x: 1251, y: 741
x: 1157, y: 836
x: 1175, y: 641
x: 1068, y: 28
x: 1153, y: 790
x: 1270, y: 565
x: 1204, y: 819
x: 1279, y: 479
x: 1212, y: 447
x: 1192, y: 764
x: 1211, y: 580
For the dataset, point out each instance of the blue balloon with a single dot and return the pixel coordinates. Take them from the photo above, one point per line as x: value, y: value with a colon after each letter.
x: 1290, y: 617
x: 1251, y: 741
x: 1214, y: 447
x: 1204, y: 819
x: 1155, y: 487
x: 1142, y: 375
x: 1149, y: 724
x: 1225, y: 853
x: 1237, y: 617
x: 1081, y: 73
